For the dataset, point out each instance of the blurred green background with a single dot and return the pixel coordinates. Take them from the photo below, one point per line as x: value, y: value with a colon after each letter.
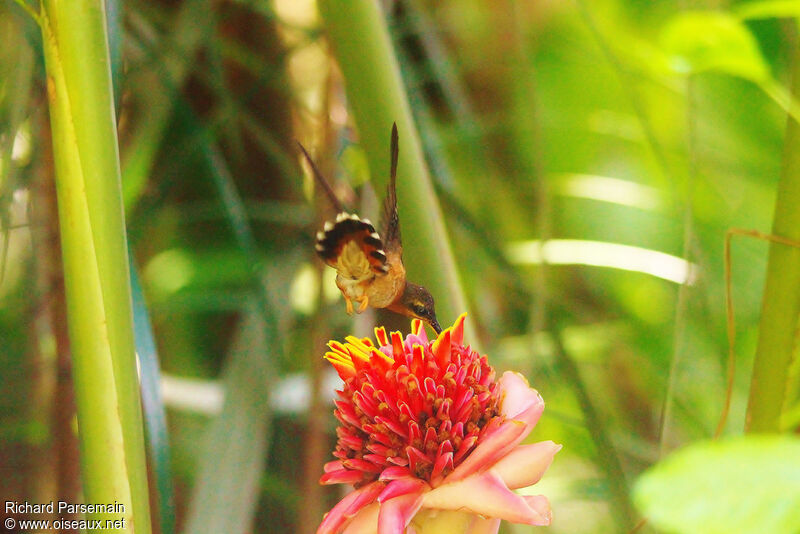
x: 588, y: 158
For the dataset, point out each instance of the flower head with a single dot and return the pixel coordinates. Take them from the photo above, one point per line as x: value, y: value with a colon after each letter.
x: 426, y: 427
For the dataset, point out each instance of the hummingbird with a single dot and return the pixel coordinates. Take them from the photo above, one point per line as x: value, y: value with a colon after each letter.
x: 369, y: 265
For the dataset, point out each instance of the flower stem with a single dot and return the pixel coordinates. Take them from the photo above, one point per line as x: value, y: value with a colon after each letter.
x: 781, y: 305
x: 360, y: 39
x: 95, y: 259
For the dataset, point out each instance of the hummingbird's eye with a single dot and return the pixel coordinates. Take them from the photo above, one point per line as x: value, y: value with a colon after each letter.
x: 419, y: 309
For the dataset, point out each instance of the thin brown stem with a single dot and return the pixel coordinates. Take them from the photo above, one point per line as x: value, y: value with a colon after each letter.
x: 731, y: 325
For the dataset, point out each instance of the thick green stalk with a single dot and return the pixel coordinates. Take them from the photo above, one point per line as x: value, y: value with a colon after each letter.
x: 358, y: 34
x: 95, y: 259
x: 781, y: 306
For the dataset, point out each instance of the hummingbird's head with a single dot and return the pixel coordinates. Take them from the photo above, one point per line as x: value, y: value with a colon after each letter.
x: 417, y: 302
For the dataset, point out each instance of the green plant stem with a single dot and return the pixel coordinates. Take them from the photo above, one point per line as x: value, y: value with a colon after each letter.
x: 358, y: 34
x: 95, y: 259
x: 781, y: 305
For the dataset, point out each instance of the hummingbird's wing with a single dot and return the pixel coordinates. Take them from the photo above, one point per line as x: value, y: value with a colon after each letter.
x: 350, y: 244
x: 391, y: 220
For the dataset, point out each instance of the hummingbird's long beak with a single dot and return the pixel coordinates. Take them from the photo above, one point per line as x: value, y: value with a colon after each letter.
x: 435, y: 325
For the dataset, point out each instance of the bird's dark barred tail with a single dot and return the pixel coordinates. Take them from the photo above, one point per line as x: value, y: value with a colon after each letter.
x: 350, y: 227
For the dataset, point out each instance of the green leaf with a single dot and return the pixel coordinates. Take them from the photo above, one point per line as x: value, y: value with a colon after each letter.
x: 225, y: 495
x: 744, y: 484
x: 155, y: 418
x: 701, y: 41
x: 769, y: 9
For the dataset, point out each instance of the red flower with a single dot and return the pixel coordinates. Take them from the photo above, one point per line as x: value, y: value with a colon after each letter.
x: 425, y: 425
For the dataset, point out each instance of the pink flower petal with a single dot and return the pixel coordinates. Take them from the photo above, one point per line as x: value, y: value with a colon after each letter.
x: 487, y: 495
x: 349, y: 506
x: 395, y: 514
x: 519, y: 400
x: 541, y: 505
x: 525, y: 405
x: 489, y: 449
x: 365, y: 522
x: 416, y: 338
x: 526, y: 464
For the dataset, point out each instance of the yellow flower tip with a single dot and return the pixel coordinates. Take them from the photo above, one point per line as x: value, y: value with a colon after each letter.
x: 343, y: 364
x: 446, y: 331
x: 380, y: 335
x: 416, y: 326
x: 418, y: 352
x: 376, y: 354
x: 337, y: 347
x: 397, y: 344
x: 359, y: 348
x: 441, y: 347
x: 338, y: 359
x: 334, y: 356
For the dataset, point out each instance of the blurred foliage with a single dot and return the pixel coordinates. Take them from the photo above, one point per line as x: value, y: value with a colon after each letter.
x: 613, y: 122
x: 754, y: 482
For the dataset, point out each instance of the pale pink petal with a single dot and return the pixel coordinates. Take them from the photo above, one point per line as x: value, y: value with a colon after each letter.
x: 402, y: 486
x: 519, y: 400
x: 541, y: 505
x: 349, y: 506
x: 418, y: 336
x: 483, y: 525
x: 526, y: 464
x: 365, y: 522
x: 395, y: 514
x: 490, y: 448
x: 487, y: 495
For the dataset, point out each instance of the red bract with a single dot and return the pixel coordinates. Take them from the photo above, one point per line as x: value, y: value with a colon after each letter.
x: 426, y: 425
